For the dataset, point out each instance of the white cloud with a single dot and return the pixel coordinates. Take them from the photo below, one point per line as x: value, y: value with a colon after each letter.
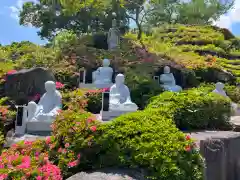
x: 233, y: 16
x: 15, y: 9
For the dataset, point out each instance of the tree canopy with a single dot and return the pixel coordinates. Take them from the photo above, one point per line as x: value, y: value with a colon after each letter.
x: 80, y: 16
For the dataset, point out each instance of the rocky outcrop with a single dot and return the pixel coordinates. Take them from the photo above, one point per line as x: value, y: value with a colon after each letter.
x: 26, y: 83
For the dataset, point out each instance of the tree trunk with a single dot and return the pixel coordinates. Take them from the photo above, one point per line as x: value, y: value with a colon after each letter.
x: 139, y: 31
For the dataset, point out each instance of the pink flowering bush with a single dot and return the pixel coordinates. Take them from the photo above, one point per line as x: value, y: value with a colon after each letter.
x: 26, y: 161
x: 40, y: 159
x: 59, y: 85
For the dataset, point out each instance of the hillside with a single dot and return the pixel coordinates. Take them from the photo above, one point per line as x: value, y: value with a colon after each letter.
x: 197, y: 47
x: 195, y: 53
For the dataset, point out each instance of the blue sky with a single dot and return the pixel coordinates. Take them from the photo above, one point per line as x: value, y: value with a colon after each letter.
x: 11, y: 31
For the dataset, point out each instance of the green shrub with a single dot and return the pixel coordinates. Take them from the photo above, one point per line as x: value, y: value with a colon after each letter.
x: 142, y: 87
x: 233, y: 92
x: 64, y: 40
x: 74, y: 100
x: 94, y: 101
x: 195, y: 108
x: 144, y: 140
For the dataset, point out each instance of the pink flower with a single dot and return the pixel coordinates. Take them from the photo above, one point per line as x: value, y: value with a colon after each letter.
x: 59, y: 85
x: 93, y: 128
x: 90, y: 119
x: 60, y: 150
x: 188, y: 137
x: 67, y: 145
x: 105, y: 89
x: 11, y: 72
x: 39, y: 178
x: 78, y: 156
x: 48, y: 140
x: 188, y: 148
x: 73, y: 163
x: 3, y: 176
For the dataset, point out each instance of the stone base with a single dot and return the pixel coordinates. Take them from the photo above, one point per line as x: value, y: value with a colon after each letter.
x: 87, y: 86
x: 38, y: 126
x: 109, y: 115
x: 94, y: 86
x: 15, y: 139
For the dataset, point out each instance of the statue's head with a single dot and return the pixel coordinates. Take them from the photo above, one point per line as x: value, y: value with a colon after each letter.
x: 219, y: 86
x: 119, y: 79
x: 114, y: 23
x: 166, y: 70
x: 50, y: 86
x: 106, y: 62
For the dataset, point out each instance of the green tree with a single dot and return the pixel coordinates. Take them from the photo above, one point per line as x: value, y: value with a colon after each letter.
x: 51, y: 16
x: 190, y: 12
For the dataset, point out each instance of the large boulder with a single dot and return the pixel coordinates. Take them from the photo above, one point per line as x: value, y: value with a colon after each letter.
x: 26, y: 83
x: 109, y: 174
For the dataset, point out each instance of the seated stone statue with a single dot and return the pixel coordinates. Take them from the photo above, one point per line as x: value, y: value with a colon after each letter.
x: 168, y: 81
x: 48, y: 107
x: 219, y: 89
x: 102, y: 77
x: 119, y: 98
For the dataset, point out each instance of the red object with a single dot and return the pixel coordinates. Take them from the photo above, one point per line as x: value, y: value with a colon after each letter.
x: 93, y: 128
x: 188, y: 148
x: 188, y: 137
x: 11, y: 71
x: 59, y: 85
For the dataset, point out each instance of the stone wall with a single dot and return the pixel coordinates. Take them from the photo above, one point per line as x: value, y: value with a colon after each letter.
x: 221, y: 150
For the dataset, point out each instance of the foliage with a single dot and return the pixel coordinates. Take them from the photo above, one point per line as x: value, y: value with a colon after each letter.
x: 25, y: 160
x: 197, y: 12
x: 233, y: 92
x: 145, y: 140
x: 142, y: 88
x: 94, y: 101
x: 74, y: 100
x: 195, y: 108
x: 40, y: 159
x: 64, y: 39
x: 78, y: 16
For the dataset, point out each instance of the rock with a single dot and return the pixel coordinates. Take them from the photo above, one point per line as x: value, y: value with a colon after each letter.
x: 26, y: 83
x: 109, y: 174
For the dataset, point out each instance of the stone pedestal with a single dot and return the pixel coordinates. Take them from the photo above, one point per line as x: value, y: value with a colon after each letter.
x: 38, y: 126
x: 87, y: 86
x: 109, y: 115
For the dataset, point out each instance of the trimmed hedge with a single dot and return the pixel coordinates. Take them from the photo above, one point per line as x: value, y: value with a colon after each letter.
x: 143, y: 140
x: 195, y: 108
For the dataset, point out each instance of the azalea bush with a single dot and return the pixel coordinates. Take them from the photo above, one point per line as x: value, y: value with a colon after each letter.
x: 195, y: 108
x: 40, y: 159
x: 94, y: 100
x: 27, y: 160
x: 144, y: 140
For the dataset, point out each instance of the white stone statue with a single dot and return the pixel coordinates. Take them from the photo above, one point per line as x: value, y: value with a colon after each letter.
x: 113, y: 38
x: 48, y: 107
x: 102, y: 77
x: 219, y: 89
x: 119, y: 98
x: 168, y: 81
